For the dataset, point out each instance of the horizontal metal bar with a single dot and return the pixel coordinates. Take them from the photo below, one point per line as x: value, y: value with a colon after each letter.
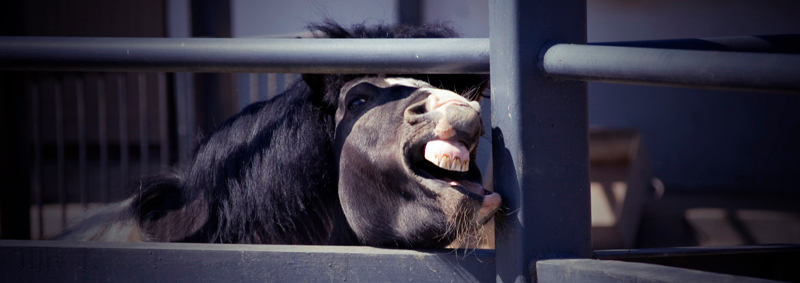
x: 776, y: 261
x: 667, y: 67
x: 590, y: 270
x: 780, y: 43
x: 242, y: 55
x: 681, y: 252
x: 632, y: 65
x: 44, y: 261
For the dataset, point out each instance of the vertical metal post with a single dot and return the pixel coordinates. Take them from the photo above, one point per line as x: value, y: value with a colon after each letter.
x: 144, y: 140
x: 123, y: 130
x: 184, y: 112
x: 102, y: 129
x: 410, y: 12
x: 36, y: 177
x: 179, y: 25
x: 280, y: 83
x: 263, y: 87
x: 82, y: 175
x: 15, y: 194
x: 539, y: 137
x: 254, y: 88
x: 211, y: 18
x: 163, y: 120
x: 61, y: 158
x: 243, y: 89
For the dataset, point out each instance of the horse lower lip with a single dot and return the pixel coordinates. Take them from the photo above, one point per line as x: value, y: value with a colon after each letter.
x: 427, y: 170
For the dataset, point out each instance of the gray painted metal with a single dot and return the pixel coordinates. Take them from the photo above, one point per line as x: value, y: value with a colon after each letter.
x: 600, y: 62
x: 588, y: 270
x: 36, y: 175
x: 781, y: 43
x: 774, y: 261
x: 56, y: 261
x: 666, y: 67
x: 683, y: 252
x: 61, y: 159
x: 102, y: 135
x: 243, y: 55
x: 539, y: 138
x: 144, y: 139
x: 82, y: 151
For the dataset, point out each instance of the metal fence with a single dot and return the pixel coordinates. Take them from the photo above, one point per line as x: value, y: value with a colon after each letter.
x: 539, y: 65
x: 92, y: 133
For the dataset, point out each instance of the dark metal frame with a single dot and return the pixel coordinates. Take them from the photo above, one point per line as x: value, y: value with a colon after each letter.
x: 540, y: 139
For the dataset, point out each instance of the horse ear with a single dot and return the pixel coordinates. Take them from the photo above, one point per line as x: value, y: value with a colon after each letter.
x: 157, y: 196
x: 316, y: 82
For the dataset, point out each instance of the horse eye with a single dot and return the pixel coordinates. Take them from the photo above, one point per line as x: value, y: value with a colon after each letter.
x: 356, y: 103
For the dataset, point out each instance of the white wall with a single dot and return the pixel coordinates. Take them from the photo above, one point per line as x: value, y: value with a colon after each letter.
x: 264, y: 17
x: 622, y: 20
x: 469, y: 17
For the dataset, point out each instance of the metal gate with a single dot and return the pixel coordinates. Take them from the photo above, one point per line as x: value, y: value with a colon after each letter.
x: 539, y: 64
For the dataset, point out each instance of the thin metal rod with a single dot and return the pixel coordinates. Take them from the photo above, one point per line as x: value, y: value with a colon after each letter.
x: 36, y: 177
x: 184, y: 112
x: 280, y: 83
x: 272, y: 85
x: 680, y: 68
x: 60, y: 159
x: 254, y: 87
x: 163, y: 119
x: 246, y: 55
x: 144, y: 143
x: 81, y: 107
x: 263, y: 87
x: 123, y: 130
x: 102, y: 136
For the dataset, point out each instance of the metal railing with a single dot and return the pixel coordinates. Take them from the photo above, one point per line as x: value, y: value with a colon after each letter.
x: 540, y: 124
x: 245, y: 55
x: 620, y: 62
x: 82, y: 121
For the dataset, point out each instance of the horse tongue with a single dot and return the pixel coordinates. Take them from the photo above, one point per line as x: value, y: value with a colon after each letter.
x: 470, y: 186
x: 448, y: 155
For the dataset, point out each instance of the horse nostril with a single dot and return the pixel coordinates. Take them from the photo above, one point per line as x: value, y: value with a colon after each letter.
x: 414, y: 112
x: 418, y: 109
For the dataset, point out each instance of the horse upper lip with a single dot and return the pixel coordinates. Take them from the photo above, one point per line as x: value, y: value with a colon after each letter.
x: 450, y: 102
x: 438, y: 98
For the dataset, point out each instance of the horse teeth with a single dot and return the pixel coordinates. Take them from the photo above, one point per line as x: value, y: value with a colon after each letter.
x: 445, y: 162
x: 448, y: 155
